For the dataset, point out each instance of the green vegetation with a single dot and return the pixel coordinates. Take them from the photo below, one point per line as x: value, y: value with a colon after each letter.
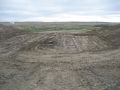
x: 59, y: 28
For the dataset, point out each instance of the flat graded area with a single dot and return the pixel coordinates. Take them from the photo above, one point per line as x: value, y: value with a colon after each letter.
x: 57, y: 60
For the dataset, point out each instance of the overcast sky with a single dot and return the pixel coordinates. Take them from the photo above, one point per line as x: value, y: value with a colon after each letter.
x: 60, y: 10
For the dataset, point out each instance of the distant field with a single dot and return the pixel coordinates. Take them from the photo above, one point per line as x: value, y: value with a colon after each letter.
x: 56, y: 26
x: 59, y: 26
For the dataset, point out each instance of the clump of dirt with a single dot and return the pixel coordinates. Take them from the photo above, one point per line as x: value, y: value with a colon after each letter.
x: 40, y: 44
x: 49, y: 43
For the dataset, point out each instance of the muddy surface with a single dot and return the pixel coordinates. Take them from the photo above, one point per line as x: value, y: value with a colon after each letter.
x: 59, y: 61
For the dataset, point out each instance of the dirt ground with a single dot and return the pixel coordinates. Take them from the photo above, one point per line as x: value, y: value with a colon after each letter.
x: 59, y: 61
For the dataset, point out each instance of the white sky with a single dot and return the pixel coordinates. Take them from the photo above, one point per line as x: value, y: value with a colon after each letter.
x: 60, y: 10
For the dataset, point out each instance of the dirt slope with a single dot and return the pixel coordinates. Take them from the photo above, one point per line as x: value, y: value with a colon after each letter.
x: 7, y: 32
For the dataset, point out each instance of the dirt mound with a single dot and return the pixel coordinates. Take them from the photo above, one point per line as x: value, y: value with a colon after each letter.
x: 7, y: 32
x: 46, y: 43
x: 109, y: 33
x: 67, y: 43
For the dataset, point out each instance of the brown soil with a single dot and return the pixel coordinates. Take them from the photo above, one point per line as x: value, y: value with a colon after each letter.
x: 59, y: 60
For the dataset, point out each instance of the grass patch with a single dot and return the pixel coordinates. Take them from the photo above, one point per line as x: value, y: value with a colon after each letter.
x: 58, y: 28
